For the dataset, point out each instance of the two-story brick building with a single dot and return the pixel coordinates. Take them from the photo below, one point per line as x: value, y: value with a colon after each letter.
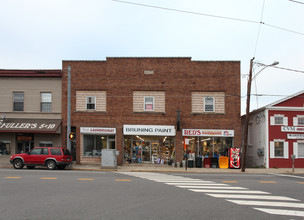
x: 275, y: 133
x: 148, y: 108
x: 30, y: 110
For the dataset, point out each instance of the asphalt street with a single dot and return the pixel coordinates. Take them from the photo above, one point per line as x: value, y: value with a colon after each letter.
x: 70, y: 194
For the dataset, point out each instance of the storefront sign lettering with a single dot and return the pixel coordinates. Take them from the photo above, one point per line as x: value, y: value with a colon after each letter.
x: 208, y: 132
x: 153, y: 130
x: 97, y: 130
x: 295, y: 136
x: 292, y: 129
x: 26, y: 126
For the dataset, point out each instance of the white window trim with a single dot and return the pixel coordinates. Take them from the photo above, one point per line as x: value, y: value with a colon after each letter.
x: 87, y: 98
x: 153, y: 103
x: 285, y: 149
x: 296, y: 148
x: 213, y: 103
x: 296, y: 120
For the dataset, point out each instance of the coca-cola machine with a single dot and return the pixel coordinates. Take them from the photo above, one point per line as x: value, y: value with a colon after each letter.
x: 235, y: 157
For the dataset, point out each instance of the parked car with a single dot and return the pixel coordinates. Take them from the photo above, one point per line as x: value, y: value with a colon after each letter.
x: 50, y: 157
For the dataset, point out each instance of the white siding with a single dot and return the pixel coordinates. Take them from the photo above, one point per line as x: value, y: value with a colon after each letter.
x: 100, y: 104
x: 198, y: 101
x: 159, y: 100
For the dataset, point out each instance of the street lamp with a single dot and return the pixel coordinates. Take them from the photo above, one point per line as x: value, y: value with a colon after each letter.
x: 244, y: 150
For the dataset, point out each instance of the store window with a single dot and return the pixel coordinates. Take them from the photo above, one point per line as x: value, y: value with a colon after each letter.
x: 278, y: 149
x: 45, y: 144
x: 209, y: 104
x: 5, y: 148
x: 46, y: 102
x: 91, y: 102
x: 93, y: 144
x: 207, y: 146
x: 149, y: 103
x: 18, y: 104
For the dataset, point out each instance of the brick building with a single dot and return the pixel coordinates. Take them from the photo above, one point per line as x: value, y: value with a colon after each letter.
x: 149, y: 109
x: 30, y: 110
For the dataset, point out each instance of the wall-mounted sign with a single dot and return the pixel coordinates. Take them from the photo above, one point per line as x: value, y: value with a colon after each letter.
x: 208, y: 132
x: 150, y: 130
x: 32, y: 125
x: 295, y: 136
x: 97, y: 130
x: 292, y: 129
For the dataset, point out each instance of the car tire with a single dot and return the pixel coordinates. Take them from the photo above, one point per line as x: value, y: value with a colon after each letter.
x: 30, y: 167
x: 18, y: 164
x: 51, y: 164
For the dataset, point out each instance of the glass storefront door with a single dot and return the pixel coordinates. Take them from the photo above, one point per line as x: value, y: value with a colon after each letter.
x: 146, y: 156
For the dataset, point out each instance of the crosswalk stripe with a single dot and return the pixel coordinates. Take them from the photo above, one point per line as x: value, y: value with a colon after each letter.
x: 181, y: 181
x: 266, y: 203
x: 229, y: 191
x: 232, y: 196
x: 197, y: 184
x: 282, y: 212
x: 209, y: 187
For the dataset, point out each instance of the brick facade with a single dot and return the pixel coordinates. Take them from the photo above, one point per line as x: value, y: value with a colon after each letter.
x: 178, y: 78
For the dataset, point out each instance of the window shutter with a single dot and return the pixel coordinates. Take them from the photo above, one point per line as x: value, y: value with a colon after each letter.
x: 285, y: 121
x: 272, y: 120
x: 271, y: 149
x: 295, y: 149
x: 286, y: 153
x: 295, y: 121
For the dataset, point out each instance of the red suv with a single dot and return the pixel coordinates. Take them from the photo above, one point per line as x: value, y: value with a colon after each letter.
x: 50, y: 157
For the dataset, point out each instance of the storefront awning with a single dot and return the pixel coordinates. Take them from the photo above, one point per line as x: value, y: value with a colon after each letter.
x: 30, y: 125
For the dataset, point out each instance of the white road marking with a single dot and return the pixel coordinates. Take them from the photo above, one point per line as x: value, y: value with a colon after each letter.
x: 197, y: 184
x: 229, y: 191
x: 209, y: 187
x: 282, y: 212
x: 266, y: 203
x: 300, y: 177
x: 232, y: 196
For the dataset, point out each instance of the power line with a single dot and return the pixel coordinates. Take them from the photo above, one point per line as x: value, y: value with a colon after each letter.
x: 208, y: 15
x: 296, y: 2
x: 298, y: 71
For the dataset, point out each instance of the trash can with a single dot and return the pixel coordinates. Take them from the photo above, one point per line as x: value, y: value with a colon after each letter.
x: 109, y: 158
x: 190, y: 163
x: 198, y: 162
x: 214, y: 162
x: 207, y: 162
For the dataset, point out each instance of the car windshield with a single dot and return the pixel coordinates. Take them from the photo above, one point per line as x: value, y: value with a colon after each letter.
x: 66, y: 152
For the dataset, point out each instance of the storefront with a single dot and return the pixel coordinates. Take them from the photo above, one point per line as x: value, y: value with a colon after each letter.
x: 207, y: 143
x: 22, y: 135
x: 93, y: 140
x: 149, y: 144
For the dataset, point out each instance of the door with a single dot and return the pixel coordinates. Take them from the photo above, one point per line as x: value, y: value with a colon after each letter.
x: 146, y: 151
x: 136, y: 152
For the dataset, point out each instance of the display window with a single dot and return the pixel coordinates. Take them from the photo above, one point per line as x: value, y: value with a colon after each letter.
x: 207, y: 146
x: 149, y: 149
x: 5, y: 147
x: 93, y: 144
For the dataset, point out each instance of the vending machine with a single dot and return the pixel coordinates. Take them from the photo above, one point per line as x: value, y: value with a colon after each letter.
x: 234, y: 158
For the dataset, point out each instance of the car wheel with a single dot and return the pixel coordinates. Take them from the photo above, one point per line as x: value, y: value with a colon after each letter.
x: 30, y: 167
x: 61, y: 167
x: 18, y: 164
x: 51, y: 165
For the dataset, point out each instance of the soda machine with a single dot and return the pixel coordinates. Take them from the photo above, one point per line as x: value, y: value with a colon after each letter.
x: 234, y: 158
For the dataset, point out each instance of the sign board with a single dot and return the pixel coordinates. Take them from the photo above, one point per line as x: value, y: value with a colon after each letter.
x: 292, y: 129
x: 149, y: 130
x: 208, y: 132
x: 295, y: 136
x: 97, y: 130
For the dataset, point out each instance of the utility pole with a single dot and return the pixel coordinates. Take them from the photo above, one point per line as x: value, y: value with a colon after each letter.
x: 244, y: 150
x: 69, y: 111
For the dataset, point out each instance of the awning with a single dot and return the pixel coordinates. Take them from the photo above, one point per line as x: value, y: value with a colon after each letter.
x: 30, y: 125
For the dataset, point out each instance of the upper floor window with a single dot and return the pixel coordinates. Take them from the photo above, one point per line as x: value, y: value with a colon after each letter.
x: 299, y: 120
x: 209, y: 104
x: 149, y: 103
x: 46, y: 102
x: 278, y: 120
x: 91, y: 102
x: 18, y: 104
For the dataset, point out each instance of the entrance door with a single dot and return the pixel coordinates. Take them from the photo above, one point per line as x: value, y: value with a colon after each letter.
x: 146, y: 155
x: 136, y: 151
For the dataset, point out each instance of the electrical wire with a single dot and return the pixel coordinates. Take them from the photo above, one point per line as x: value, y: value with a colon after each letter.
x: 208, y: 15
x: 296, y: 2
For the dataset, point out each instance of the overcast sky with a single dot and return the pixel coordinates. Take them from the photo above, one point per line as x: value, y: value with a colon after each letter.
x: 38, y: 34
